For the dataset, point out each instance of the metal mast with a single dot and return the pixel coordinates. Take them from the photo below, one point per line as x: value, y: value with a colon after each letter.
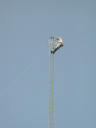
x: 50, y: 44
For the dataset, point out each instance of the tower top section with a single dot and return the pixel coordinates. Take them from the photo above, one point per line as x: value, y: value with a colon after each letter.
x: 52, y: 37
x: 50, y: 42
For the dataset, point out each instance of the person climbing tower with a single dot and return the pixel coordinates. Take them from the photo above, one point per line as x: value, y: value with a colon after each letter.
x: 58, y: 45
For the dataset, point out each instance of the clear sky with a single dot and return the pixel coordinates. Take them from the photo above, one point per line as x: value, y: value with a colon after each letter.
x: 26, y: 26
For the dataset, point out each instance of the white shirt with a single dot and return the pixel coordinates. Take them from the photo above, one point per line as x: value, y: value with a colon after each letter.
x: 60, y: 40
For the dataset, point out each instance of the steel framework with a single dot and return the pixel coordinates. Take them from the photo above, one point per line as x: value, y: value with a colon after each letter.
x: 50, y: 44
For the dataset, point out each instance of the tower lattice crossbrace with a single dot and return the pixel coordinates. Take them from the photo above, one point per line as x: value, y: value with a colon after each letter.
x: 50, y: 44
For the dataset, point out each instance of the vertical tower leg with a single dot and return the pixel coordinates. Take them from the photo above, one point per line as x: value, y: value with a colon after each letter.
x: 51, y: 86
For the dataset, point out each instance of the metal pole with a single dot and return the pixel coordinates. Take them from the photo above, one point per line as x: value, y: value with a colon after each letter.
x: 51, y: 86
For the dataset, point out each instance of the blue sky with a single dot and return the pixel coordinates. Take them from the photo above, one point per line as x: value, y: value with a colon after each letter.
x: 26, y: 26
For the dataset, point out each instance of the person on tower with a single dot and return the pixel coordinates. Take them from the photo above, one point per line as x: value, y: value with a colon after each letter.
x: 58, y: 45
